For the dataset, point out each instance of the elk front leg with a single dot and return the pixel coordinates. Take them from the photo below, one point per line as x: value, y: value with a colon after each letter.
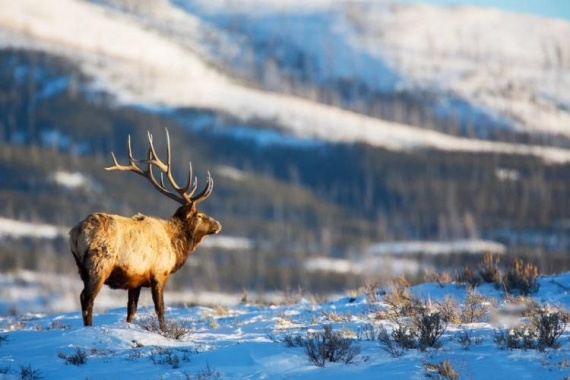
x: 133, y: 302
x: 157, y: 289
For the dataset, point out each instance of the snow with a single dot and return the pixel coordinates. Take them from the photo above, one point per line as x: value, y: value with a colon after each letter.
x: 507, y: 174
x: 518, y: 71
x: 19, y: 229
x: 507, y: 65
x: 232, y: 173
x: 436, y: 247
x: 229, y: 243
x: 71, y: 180
x: 119, y: 49
x: 328, y: 264
x: 369, y: 265
x: 245, y: 341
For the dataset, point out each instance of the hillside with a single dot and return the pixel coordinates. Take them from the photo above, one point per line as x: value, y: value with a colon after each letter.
x: 498, y: 74
x: 176, y: 76
x: 314, y: 168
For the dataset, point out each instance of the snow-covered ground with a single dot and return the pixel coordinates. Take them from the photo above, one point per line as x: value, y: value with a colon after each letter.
x: 245, y: 341
x: 133, y: 58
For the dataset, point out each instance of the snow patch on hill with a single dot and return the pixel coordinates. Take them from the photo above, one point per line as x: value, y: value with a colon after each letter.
x: 19, y: 229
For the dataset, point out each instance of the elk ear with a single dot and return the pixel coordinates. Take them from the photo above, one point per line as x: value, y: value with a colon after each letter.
x: 186, y: 211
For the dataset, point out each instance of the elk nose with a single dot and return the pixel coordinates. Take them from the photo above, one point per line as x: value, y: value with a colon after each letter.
x: 216, y: 227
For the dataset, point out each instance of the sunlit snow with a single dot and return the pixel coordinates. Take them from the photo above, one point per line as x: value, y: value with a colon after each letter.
x: 245, y: 341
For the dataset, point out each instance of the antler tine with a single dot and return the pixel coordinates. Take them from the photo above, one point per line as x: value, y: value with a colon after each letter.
x: 165, y: 168
x: 181, y: 190
x: 130, y: 150
x: 204, y: 194
x: 115, y: 162
x: 131, y: 167
x: 152, y: 156
x: 167, y: 148
x: 190, y: 182
x: 160, y: 186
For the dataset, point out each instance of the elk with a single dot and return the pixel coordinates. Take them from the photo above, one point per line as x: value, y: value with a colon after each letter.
x: 141, y: 251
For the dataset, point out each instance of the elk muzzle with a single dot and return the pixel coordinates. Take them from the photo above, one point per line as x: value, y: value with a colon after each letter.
x: 215, y: 226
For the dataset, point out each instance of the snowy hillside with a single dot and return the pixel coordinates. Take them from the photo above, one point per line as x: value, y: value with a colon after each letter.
x: 149, y: 57
x: 509, y: 66
x: 270, y: 342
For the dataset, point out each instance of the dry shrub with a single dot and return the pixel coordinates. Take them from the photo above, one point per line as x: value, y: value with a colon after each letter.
x: 428, y: 326
x: 172, y: 329
x: 476, y: 307
x: 28, y: 373
x: 372, y: 293
x: 544, y: 327
x: 469, y: 277
x: 439, y: 277
x: 335, y: 317
x: 466, y: 338
x: 521, y: 278
x: 520, y: 337
x: 404, y: 336
x: 398, y: 298
x: 390, y: 343
x: 206, y: 374
x: 443, y: 370
x: 79, y: 358
x: 489, y: 270
x: 449, y: 310
x: 167, y: 356
x: 549, y: 324
x: 324, y: 346
x: 421, y: 327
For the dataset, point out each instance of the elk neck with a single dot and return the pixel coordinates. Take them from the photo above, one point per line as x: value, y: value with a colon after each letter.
x: 183, y: 240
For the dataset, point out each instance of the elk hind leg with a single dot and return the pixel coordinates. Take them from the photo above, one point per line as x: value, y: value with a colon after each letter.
x: 87, y: 298
x: 133, y: 302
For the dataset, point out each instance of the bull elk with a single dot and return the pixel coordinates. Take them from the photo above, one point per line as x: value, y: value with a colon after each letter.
x: 142, y: 251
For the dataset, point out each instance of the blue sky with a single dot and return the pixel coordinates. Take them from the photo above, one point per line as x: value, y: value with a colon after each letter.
x: 549, y: 8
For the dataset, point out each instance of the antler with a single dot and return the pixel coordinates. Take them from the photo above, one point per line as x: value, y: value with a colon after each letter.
x: 184, y: 195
